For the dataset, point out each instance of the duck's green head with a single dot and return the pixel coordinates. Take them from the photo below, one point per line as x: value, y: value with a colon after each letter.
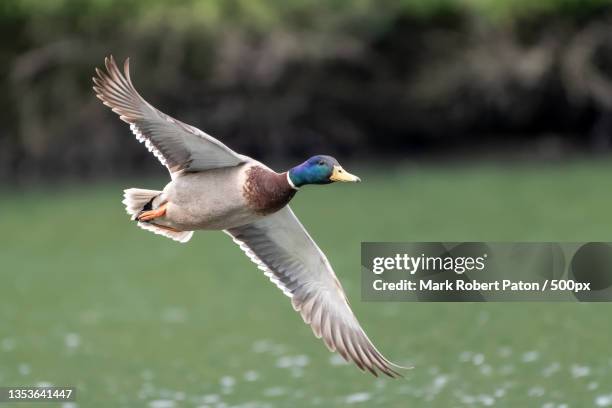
x: 319, y: 170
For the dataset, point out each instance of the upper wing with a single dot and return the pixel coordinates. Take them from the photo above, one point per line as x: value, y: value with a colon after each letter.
x: 282, y: 248
x: 178, y: 146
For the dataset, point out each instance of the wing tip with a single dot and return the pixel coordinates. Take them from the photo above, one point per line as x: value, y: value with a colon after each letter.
x: 115, y: 89
x: 126, y: 69
x: 390, y: 368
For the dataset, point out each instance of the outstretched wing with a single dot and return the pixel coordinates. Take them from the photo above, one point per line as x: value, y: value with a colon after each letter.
x: 282, y: 248
x: 178, y: 146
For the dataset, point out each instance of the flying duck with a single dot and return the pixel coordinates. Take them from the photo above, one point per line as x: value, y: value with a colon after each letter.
x: 214, y: 188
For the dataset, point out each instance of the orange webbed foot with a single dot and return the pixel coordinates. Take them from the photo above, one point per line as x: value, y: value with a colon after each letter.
x: 152, y: 214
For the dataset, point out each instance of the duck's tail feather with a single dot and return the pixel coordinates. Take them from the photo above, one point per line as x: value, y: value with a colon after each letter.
x: 180, y: 236
x: 137, y: 200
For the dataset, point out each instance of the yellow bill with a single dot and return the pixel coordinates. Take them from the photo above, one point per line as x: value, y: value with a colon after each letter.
x: 339, y: 174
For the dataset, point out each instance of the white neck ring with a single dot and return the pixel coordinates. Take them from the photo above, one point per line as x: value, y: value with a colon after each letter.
x: 291, y: 182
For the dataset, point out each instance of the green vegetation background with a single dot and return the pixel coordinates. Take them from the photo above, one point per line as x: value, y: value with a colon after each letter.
x: 281, y: 80
x: 260, y: 14
x: 133, y: 319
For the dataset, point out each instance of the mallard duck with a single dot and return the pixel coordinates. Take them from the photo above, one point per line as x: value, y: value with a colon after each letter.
x: 214, y: 188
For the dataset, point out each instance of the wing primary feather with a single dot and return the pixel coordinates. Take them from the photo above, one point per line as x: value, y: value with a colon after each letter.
x: 326, y: 331
x: 340, y: 347
x: 367, y: 363
x: 352, y: 352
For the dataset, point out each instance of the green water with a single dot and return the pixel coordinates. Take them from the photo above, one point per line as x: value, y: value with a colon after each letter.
x: 136, y: 320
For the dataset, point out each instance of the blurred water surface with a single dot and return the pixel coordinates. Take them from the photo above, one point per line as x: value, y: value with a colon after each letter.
x: 136, y: 320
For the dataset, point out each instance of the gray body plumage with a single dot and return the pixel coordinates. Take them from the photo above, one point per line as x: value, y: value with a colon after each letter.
x: 210, y: 200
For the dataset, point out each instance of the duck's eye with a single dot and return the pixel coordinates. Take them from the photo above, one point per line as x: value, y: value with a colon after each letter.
x: 320, y: 163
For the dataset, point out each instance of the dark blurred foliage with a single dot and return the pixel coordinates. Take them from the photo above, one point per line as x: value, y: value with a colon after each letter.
x: 284, y: 80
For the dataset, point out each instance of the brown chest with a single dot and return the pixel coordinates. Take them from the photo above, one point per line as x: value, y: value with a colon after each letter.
x: 266, y: 191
